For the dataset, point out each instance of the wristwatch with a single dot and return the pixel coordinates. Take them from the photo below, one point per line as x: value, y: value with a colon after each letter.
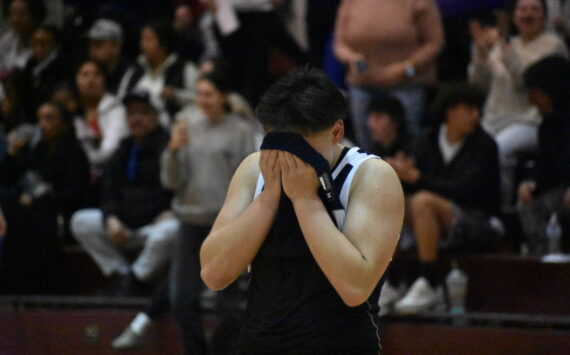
x: 410, y: 71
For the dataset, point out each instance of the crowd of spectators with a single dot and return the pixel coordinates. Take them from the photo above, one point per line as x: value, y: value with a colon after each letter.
x: 122, y: 123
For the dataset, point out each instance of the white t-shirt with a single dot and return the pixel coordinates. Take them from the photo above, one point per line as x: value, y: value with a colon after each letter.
x: 448, y: 150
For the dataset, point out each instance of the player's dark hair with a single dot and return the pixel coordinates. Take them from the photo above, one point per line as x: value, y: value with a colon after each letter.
x: 304, y: 101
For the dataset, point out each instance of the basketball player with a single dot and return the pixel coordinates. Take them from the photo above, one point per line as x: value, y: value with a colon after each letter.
x: 318, y: 236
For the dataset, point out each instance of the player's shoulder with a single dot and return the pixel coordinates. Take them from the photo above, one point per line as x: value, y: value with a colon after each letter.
x: 245, y: 177
x: 248, y: 171
x: 374, y: 167
x: 373, y: 174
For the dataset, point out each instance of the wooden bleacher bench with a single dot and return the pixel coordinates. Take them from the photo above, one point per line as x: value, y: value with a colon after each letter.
x: 515, y: 305
x: 475, y: 334
x: 507, y: 283
x: 498, y: 283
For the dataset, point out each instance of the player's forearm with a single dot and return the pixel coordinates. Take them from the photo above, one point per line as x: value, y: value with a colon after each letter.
x: 229, y: 249
x: 346, y: 268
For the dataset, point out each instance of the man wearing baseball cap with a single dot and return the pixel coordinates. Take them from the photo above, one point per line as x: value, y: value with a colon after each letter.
x: 105, y: 45
x: 135, y: 208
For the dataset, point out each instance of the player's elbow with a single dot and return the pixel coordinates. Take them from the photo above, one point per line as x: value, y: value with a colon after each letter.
x: 212, y: 279
x: 354, y: 296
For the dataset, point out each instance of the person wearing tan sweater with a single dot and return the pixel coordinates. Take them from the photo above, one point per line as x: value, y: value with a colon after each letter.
x: 388, y: 46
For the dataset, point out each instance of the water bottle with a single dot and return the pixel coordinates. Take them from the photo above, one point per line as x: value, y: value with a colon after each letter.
x: 456, y: 282
x: 553, y: 233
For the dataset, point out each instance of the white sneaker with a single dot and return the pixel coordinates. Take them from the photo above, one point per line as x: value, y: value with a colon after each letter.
x: 421, y: 297
x: 388, y: 296
x: 128, y: 340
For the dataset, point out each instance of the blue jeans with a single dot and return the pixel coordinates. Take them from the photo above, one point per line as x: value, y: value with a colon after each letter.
x: 513, y: 141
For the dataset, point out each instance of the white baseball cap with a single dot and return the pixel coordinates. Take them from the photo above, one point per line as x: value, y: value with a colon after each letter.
x: 104, y: 29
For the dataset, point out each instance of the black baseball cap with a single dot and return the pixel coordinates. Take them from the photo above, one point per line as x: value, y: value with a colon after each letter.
x: 138, y: 96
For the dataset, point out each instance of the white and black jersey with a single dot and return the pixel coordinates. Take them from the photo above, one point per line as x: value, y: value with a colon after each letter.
x: 292, y: 307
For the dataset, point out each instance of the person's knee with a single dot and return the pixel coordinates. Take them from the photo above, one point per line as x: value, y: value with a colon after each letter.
x: 163, y: 235
x: 422, y: 201
x: 85, y: 223
x: 162, y: 244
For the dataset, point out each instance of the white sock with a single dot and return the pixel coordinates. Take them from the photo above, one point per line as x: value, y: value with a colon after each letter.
x: 141, y: 323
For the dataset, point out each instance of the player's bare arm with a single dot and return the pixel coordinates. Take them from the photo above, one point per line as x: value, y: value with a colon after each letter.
x: 243, y: 223
x: 355, y: 259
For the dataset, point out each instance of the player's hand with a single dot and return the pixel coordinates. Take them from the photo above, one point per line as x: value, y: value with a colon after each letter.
x: 526, y: 188
x: 271, y: 171
x: 299, y: 178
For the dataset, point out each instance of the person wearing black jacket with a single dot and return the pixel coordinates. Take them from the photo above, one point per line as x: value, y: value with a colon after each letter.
x: 43, y: 177
x: 44, y: 72
x: 547, y: 190
x: 455, y: 176
x: 134, y: 210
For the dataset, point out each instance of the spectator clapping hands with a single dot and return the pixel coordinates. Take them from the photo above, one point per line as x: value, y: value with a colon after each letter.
x: 405, y: 168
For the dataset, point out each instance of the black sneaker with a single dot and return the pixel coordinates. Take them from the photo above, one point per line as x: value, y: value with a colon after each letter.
x: 132, y: 287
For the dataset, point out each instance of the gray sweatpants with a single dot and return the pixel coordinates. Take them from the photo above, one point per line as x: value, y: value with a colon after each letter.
x: 156, y: 241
